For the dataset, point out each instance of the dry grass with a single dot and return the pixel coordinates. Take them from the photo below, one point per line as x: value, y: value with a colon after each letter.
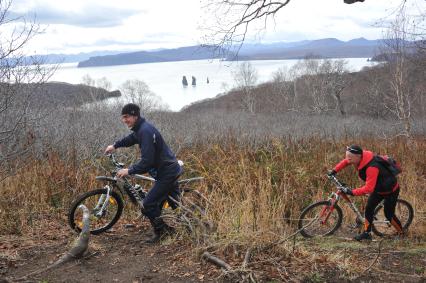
x: 256, y: 192
x: 251, y: 188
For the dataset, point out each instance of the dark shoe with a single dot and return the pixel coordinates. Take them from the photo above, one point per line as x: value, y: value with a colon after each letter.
x: 363, y: 236
x: 155, y: 238
x: 168, y: 230
x: 401, y: 235
x: 160, y: 229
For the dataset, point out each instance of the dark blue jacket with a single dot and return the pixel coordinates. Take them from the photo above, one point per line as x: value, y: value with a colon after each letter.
x: 156, y: 156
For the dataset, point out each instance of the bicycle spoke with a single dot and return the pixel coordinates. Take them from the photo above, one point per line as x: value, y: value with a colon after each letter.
x: 98, y: 218
x: 382, y: 226
x: 319, y: 219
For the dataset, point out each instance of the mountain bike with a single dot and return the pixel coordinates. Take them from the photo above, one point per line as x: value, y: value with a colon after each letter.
x: 106, y: 204
x: 323, y: 218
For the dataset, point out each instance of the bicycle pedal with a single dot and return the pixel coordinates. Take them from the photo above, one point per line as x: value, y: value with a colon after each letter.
x: 129, y: 225
x: 354, y: 226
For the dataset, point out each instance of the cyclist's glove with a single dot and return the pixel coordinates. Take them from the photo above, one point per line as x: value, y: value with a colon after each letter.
x: 347, y: 191
x: 153, y: 173
x: 331, y: 173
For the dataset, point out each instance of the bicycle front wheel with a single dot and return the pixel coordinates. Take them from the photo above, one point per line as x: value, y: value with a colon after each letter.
x: 320, y: 219
x: 382, y: 227
x: 100, y: 221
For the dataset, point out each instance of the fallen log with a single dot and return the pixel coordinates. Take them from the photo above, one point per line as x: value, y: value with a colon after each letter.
x: 78, y: 248
x: 215, y: 260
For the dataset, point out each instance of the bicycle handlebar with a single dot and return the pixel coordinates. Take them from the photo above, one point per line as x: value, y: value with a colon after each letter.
x: 115, y: 162
x: 119, y: 165
x: 336, y: 181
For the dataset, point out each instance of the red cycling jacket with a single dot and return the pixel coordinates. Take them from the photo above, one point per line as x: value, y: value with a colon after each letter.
x: 376, y: 177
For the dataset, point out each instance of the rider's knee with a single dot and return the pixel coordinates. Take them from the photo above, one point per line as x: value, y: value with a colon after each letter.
x: 148, y: 209
x: 389, y: 215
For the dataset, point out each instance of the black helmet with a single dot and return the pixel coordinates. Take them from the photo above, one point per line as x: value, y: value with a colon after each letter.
x: 354, y: 149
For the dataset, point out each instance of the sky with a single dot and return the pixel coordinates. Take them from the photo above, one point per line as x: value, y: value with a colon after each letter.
x: 71, y: 27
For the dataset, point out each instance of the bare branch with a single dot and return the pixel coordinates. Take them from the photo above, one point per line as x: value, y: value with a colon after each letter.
x: 231, y: 20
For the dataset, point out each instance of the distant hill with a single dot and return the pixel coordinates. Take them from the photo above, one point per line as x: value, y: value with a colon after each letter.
x: 54, y: 58
x: 326, y: 48
x: 69, y: 58
x: 167, y: 55
x: 55, y: 94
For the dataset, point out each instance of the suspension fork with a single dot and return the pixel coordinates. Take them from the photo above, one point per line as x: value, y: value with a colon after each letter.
x: 103, y: 202
x: 327, y: 210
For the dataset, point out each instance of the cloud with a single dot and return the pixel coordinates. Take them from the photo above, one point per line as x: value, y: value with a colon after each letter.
x: 86, y: 25
x: 87, y: 16
x: 148, y: 39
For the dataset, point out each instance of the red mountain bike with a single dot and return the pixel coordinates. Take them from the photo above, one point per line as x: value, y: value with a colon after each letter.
x: 325, y: 217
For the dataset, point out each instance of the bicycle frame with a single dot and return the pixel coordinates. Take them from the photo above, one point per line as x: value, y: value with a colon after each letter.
x: 335, y: 197
x: 125, y: 187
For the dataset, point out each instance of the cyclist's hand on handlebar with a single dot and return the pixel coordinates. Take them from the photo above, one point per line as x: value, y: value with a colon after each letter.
x: 122, y: 173
x: 109, y: 149
x: 331, y: 173
x: 346, y: 191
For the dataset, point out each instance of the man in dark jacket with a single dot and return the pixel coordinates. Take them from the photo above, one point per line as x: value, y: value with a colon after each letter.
x: 380, y: 183
x: 156, y: 159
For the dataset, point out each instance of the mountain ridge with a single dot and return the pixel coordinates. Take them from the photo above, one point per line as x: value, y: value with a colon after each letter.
x: 322, y: 48
x: 325, y: 47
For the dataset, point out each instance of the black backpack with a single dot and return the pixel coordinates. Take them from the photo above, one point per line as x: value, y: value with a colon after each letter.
x: 393, y: 166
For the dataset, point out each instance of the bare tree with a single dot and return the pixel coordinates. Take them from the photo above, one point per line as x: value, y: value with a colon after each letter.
x: 336, y: 79
x: 397, y: 48
x: 283, y: 85
x: 99, y: 83
x: 97, y: 88
x: 322, y: 81
x: 371, y: 87
x: 88, y: 80
x: 246, y: 78
x: 138, y: 92
x: 104, y: 83
x: 229, y: 21
x: 19, y: 75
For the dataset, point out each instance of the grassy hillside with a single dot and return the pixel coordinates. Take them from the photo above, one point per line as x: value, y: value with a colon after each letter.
x: 368, y: 93
x: 251, y: 188
x: 261, y: 168
x: 256, y: 195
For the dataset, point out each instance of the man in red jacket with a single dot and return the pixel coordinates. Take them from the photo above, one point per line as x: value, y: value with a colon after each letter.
x: 380, y: 184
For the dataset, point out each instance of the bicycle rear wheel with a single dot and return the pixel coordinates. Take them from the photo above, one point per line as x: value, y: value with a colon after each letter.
x: 94, y: 200
x: 382, y: 227
x: 195, y: 201
x: 320, y: 219
x: 190, y: 212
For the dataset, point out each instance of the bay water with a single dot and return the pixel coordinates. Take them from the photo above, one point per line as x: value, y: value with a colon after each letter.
x: 165, y: 79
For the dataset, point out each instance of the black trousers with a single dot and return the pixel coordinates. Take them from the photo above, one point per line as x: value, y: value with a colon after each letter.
x: 389, y: 207
x: 166, y: 186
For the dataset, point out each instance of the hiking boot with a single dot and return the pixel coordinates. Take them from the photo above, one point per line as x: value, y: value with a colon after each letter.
x: 363, y: 236
x: 160, y: 230
x: 401, y: 235
x: 155, y: 238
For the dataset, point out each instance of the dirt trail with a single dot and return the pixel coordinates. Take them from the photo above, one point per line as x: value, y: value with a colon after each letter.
x: 121, y: 256
x: 118, y: 256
